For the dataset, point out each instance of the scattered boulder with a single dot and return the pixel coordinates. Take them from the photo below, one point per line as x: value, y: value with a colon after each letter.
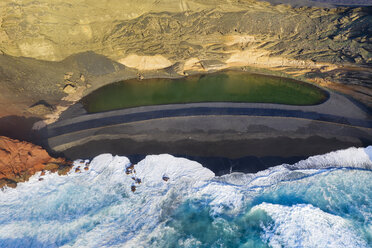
x: 69, y: 89
x: 129, y: 169
x: 41, y: 108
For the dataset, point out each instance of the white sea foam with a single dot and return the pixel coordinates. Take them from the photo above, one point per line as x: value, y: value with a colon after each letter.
x: 351, y: 157
x: 84, y: 206
x: 222, y: 198
x: 304, y: 225
x: 360, y: 158
x: 96, y: 208
x: 368, y: 151
x: 152, y: 169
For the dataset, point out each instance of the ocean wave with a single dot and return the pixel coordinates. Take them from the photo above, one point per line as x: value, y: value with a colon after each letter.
x: 352, y: 158
x: 164, y: 201
x: 304, y: 225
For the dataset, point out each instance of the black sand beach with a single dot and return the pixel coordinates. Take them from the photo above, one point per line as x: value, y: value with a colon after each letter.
x: 221, y: 157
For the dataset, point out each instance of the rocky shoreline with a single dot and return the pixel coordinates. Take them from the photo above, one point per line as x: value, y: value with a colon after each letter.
x: 19, y: 160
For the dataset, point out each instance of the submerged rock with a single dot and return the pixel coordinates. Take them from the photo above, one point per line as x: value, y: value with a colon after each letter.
x: 129, y: 169
x: 20, y: 160
x: 133, y: 188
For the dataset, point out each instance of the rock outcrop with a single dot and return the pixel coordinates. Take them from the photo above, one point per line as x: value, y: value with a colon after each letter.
x: 20, y: 160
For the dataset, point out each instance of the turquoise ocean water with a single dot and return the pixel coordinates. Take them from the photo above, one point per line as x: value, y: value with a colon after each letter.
x: 324, y: 201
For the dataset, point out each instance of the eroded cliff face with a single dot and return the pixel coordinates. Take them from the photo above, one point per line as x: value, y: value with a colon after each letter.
x: 20, y: 160
x: 184, y: 29
x: 91, y: 43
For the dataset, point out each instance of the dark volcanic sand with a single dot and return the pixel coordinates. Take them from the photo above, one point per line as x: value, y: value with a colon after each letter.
x: 221, y: 157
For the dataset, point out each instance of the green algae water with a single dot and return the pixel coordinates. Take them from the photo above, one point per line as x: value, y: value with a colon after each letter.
x: 219, y: 87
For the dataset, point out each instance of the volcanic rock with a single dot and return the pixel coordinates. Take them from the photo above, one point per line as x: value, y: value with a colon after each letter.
x: 165, y: 178
x: 133, y: 188
x: 20, y: 160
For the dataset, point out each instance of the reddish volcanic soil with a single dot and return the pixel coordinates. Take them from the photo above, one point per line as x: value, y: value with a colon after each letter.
x: 19, y: 160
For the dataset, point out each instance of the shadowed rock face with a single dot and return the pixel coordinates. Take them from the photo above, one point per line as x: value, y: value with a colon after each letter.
x: 20, y: 160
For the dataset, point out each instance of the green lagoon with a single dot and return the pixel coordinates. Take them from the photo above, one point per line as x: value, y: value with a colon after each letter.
x: 229, y: 86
